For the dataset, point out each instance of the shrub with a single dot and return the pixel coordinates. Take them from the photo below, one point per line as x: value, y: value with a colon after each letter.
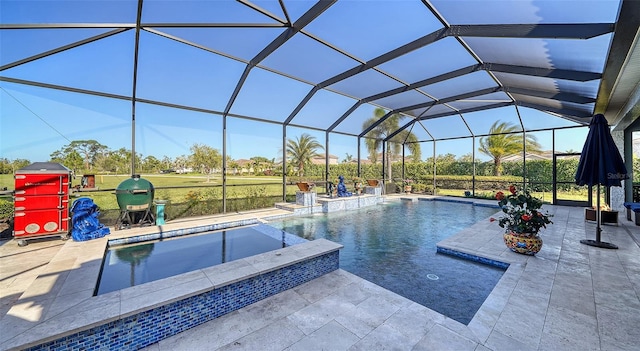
x: 419, y: 187
x: 6, y: 209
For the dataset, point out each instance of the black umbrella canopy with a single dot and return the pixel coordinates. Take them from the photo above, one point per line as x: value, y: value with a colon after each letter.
x: 600, y: 161
x: 600, y: 164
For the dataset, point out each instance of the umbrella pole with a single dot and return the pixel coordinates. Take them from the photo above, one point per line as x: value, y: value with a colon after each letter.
x: 597, y: 242
x: 598, y: 214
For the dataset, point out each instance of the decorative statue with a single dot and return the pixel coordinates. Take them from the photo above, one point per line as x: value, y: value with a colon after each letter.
x: 342, y: 189
x: 330, y: 188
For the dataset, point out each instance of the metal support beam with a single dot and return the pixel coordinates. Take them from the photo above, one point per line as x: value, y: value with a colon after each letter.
x: 358, y: 153
x: 284, y: 162
x: 416, y: 44
x: 555, y: 31
x: 467, y: 110
x: 67, y: 47
x: 326, y: 157
x: 580, y: 76
x: 304, y: 20
x: 344, y: 115
x: 553, y: 95
x: 425, y: 82
x: 451, y: 99
x: 301, y: 105
x: 134, y: 86
x: 572, y: 115
x: 377, y: 123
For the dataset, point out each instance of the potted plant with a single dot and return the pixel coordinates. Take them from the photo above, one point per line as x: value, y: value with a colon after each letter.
x: 407, y: 185
x: 357, y: 184
x: 305, y: 186
x: 522, y: 221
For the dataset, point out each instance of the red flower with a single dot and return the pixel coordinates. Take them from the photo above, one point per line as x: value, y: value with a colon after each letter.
x: 512, y: 189
x: 526, y: 218
x: 492, y: 219
x: 499, y: 195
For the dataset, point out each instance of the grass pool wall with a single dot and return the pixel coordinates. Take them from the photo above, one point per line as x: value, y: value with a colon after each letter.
x: 148, y: 327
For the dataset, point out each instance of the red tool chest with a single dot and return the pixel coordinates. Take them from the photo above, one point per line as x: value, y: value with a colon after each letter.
x: 41, y: 201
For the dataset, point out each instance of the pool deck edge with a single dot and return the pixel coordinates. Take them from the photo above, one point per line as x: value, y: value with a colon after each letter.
x: 60, y: 301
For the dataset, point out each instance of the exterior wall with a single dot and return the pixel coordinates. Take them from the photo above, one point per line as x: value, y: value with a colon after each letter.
x: 306, y: 198
x: 617, y: 193
x: 348, y: 203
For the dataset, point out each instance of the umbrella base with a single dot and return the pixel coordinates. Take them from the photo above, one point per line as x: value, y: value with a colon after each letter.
x: 601, y: 244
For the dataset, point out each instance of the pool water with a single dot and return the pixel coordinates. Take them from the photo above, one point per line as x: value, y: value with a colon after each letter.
x: 394, y: 245
x: 126, y: 266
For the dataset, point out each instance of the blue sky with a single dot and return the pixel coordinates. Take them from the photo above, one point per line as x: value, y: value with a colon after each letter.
x: 44, y: 121
x: 37, y: 121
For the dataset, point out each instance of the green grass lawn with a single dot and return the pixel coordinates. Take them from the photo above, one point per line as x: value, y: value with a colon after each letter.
x: 177, y: 187
x: 180, y: 188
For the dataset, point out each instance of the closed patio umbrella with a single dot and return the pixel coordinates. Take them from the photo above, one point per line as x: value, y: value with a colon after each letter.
x: 600, y: 164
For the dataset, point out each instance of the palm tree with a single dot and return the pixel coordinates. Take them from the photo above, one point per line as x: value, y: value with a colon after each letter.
x: 503, y: 142
x: 302, y: 150
x: 375, y: 137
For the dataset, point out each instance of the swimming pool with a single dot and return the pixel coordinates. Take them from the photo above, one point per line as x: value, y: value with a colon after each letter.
x: 394, y: 245
x: 129, y: 265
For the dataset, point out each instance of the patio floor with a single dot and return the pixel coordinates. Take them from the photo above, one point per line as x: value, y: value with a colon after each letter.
x: 568, y: 297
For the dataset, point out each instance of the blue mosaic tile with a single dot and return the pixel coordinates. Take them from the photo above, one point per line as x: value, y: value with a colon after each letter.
x: 485, y: 205
x: 462, y: 201
x: 454, y: 200
x: 151, y: 326
x: 425, y: 199
x: 275, y: 217
x: 471, y: 257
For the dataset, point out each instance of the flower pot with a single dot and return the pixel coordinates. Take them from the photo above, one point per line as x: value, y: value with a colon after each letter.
x: 522, y: 244
x: 305, y: 186
x: 407, y: 189
x: 372, y: 182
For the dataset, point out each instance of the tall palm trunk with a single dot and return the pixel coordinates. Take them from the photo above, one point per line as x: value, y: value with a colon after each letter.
x: 497, y: 162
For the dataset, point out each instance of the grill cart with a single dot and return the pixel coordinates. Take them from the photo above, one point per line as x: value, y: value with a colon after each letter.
x: 41, y: 201
x: 135, y: 199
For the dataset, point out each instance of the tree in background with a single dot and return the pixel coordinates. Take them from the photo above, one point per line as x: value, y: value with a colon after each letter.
x: 9, y: 167
x: 151, y: 164
x: 118, y: 161
x: 90, y: 150
x: 71, y: 160
x: 166, y: 162
x: 505, y: 140
x: 261, y: 164
x: 376, y: 136
x: 181, y: 163
x: 302, y: 150
x: 233, y: 165
x: 205, y: 158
